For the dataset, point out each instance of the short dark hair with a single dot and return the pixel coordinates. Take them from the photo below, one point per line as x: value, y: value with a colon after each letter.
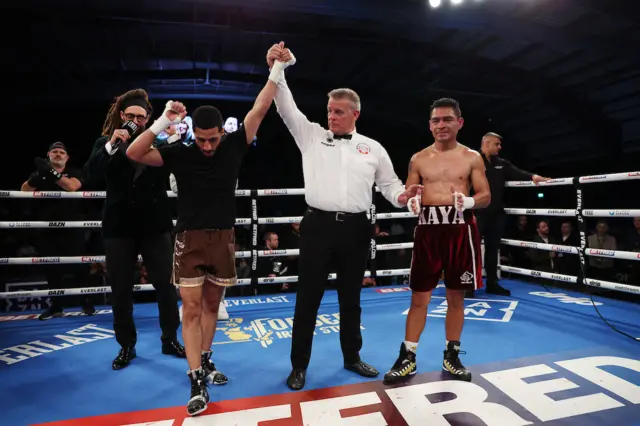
x: 444, y: 103
x: 495, y: 135
x: 207, y: 117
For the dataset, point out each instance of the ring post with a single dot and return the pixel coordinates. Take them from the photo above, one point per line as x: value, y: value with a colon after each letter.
x: 372, y: 250
x: 582, y: 228
x: 254, y: 241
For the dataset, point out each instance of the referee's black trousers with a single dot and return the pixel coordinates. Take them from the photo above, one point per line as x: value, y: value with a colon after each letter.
x: 491, y: 227
x: 329, y: 238
x: 121, y: 260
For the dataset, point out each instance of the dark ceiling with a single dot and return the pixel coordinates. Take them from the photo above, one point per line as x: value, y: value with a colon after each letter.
x: 562, y: 77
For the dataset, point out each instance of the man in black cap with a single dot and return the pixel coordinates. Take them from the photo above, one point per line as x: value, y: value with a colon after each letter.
x: 53, y: 174
x: 491, y: 219
x: 136, y: 219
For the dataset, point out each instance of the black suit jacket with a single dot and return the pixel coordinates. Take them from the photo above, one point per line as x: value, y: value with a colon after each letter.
x: 137, y: 204
x: 500, y: 170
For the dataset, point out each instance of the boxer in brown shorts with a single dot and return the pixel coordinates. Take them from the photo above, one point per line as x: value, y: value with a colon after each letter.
x: 206, y: 172
x: 205, y: 255
x: 446, y: 238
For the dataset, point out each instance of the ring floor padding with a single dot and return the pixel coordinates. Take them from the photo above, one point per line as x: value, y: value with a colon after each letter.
x: 537, y: 357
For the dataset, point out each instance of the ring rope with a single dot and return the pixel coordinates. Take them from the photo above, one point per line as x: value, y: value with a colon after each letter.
x: 149, y: 287
x: 254, y: 221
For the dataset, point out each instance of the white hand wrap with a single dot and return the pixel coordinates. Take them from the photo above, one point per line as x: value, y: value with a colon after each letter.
x: 173, y: 138
x: 414, y: 204
x: 467, y: 202
x: 278, y: 68
x: 163, y: 121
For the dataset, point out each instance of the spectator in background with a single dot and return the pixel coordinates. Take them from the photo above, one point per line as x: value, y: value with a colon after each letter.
x: 272, y: 266
x: 543, y: 260
x: 633, y: 244
x: 567, y: 263
x: 54, y: 174
x: 601, y: 268
x: 518, y: 255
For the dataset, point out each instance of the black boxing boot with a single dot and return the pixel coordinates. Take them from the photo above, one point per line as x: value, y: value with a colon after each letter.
x: 212, y: 375
x: 452, y: 364
x: 199, y: 394
x: 495, y: 288
x: 404, y: 367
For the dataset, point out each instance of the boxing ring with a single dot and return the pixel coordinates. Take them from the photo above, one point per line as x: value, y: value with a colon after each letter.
x: 552, y: 359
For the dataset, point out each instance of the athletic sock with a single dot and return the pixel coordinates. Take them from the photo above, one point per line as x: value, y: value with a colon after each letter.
x: 411, y: 346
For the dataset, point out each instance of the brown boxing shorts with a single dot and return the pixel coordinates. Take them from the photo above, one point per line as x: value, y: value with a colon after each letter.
x: 205, y: 255
x: 449, y: 241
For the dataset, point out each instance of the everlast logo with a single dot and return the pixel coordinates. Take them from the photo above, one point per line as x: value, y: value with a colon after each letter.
x: 56, y: 224
x: 93, y: 224
x: 557, y: 211
x: 530, y: 245
x: 560, y: 278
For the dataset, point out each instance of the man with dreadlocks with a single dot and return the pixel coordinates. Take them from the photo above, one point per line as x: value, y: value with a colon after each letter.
x: 136, y: 219
x: 206, y: 174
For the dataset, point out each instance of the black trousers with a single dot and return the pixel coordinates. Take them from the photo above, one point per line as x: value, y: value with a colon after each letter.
x: 326, y: 239
x: 63, y: 242
x: 121, y: 259
x: 491, y: 227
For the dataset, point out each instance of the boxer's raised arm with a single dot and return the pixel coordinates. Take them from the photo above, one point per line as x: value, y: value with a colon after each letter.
x: 302, y: 130
x: 141, y: 149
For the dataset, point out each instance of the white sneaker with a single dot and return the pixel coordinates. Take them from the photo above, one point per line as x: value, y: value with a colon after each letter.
x: 223, y: 315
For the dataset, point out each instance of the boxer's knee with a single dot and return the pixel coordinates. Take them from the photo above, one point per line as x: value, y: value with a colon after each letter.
x: 420, y: 299
x: 455, y: 299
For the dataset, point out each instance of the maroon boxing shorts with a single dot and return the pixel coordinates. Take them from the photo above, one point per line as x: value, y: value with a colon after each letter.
x: 446, y: 240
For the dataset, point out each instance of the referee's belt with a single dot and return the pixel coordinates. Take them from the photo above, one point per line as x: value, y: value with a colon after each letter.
x: 337, y: 216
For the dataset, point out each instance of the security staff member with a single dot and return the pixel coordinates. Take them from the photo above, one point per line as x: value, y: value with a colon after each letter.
x: 136, y: 218
x: 340, y: 169
x: 491, y: 219
x: 54, y: 174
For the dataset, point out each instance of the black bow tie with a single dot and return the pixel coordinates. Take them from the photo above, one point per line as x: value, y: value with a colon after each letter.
x: 342, y: 136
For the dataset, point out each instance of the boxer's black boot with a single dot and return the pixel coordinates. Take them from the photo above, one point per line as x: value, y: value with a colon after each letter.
x: 212, y: 375
x: 199, y: 394
x: 452, y: 363
x: 404, y: 367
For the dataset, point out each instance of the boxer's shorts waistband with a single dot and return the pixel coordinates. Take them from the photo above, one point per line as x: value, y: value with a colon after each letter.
x: 444, y: 215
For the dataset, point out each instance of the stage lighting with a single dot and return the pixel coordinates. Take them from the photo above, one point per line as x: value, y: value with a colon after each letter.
x: 540, y: 194
x: 456, y: 2
x: 435, y: 3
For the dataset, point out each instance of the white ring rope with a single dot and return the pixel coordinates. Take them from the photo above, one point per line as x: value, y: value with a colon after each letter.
x: 149, y: 287
x: 616, y: 254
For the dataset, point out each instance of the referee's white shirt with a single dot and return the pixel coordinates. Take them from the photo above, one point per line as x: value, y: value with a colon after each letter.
x: 338, y: 173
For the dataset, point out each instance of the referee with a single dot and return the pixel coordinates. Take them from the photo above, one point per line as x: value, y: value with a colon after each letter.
x: 491, y: 219
x: 340, y: 169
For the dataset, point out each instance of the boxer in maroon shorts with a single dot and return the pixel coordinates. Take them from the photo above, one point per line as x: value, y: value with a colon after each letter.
x: 446, y: 239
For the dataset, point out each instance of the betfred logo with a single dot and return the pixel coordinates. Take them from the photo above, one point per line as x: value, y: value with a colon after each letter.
x: 45, y: 260
x: 94, y: 194
x: 275, y: 192
x: 47, y: 194
x: 562, y: 249
x: 597, y: 252
x: 500, y: 396
x: 92, y: 259
x: 634, y: 174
